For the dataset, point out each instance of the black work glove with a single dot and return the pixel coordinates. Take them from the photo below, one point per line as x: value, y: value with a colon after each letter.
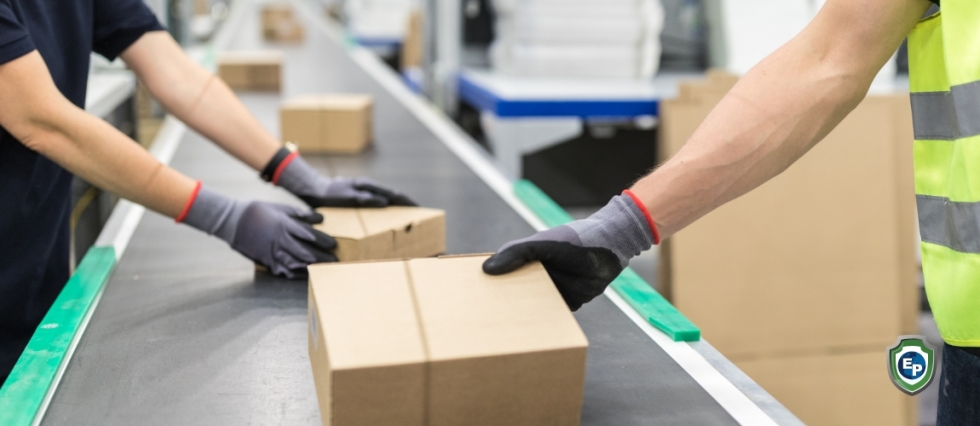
x: 273, y: 235
x: 582, y: 257
x: 321, y: 191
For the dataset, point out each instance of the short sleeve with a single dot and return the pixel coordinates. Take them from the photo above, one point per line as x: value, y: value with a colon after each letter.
x: 118, y: 24
x: 14, y: 39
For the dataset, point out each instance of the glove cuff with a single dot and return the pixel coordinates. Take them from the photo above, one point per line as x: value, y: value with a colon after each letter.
x: 190, y: 201
x: 646, y: 215
x: 620, y: 226
x: 215, y: 214
x: 300, y: 179
x: 277, y: 164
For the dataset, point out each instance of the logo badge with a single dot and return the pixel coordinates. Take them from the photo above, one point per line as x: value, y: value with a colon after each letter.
x: 910, y: 364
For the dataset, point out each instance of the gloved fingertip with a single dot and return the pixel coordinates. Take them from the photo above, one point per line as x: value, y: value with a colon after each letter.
x: 324, y: 241
x: 375, y: 202
x: 502, y: 263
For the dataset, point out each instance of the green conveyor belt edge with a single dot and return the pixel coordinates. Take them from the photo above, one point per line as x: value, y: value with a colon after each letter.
x: 26, y: 388
x: 629, y: 285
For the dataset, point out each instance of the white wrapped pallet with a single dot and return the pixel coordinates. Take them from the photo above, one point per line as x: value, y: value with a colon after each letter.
x: 386, y: 19
x: 577, y: 38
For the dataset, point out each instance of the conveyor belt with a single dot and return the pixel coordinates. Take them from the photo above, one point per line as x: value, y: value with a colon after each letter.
x: 187, y: 333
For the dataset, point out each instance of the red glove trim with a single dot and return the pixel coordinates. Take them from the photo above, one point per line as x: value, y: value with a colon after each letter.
x: 282, y: 166
x: 190, y: 202
x: 646, y: 214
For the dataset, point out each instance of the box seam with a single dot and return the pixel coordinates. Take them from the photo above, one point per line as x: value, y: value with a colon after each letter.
x: 425, y: 343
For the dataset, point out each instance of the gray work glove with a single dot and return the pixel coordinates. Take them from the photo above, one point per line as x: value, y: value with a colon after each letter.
x: 276, y: 236
x: 584, y: 256
x: 321, y: 191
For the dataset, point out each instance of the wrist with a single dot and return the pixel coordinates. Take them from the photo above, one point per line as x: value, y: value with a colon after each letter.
x: 280, y: 161
x: 654, y: 232
x: 619, y: 226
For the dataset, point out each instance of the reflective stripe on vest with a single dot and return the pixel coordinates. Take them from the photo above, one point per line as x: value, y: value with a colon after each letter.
x: 944, y: 77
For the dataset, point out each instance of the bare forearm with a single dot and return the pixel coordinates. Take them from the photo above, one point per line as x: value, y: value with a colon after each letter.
x: 774, y: 115
x: 200, y: 99
x: 95, y: 151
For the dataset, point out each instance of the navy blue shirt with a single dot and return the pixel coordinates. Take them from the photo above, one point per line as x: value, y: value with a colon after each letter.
x: 34, y: 191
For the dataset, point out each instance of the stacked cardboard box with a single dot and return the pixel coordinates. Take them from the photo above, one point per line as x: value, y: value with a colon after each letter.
x: 388, y: 233
x: 251, y: 70
x: 433, y: 342
x: 279, y: 24
x: 806, y: 280
x: 334, y: 123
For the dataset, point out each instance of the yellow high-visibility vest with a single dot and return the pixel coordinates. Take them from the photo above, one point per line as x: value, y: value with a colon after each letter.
x: 944, y: 77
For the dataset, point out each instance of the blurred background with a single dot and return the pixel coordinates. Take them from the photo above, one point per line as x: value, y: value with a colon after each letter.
x: 802, y: 284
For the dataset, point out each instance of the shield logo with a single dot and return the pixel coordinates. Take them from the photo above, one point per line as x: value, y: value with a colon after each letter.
x: 910, y: 364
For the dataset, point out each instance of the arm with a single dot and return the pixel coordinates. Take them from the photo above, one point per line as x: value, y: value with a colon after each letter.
x: 199, y: 98
x: 46, y: 122
x: 41, y: 118
x: 774, y: 115
x: 779, y: 110
x: 207, y: 104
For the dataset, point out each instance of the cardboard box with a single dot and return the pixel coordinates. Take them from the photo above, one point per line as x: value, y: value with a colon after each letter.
x: 804, y: 281
x: 436, y: 342
x: 279, y: 24
x: 251, y: 70
x: 835, y: 389
x: 387, y: 233
x: 821, y: 257
x: 413, y: 44
x: 329, y: 123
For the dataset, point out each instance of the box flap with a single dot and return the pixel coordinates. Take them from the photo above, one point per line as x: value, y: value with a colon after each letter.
x: 341, y: 223
x: 367, y: 314
x: 466, y: 313
x: 396, y: 217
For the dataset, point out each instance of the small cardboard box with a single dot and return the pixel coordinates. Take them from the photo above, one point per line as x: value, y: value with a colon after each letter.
x: 330, y: 123
x: 387, y: 233
x: 279, y: 24
x: 251, y: 70
x: 436, y: 342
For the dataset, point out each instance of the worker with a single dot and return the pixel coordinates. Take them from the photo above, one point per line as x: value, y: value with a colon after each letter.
x: 47, y: 137
x: 779, y: 111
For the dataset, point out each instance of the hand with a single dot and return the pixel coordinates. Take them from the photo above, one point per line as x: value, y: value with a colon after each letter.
x: 276, y: 236
x: 584, y: 256
x: 321, y: 191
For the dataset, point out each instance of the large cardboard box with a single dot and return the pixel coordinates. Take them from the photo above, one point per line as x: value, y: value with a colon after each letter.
x: 835, y: 389
x: 387, y: 233
x: 251, y: 70
x: 821, y: 257
x: 329, y: 123
x: 816, y: 263
x: 437, y: 342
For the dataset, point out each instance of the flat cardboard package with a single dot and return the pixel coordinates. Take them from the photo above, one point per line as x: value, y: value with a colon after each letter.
x: 413, y: 44
x: 279, y: 24
x: 436, y: 342
x: 386, y: 233
x: 328, y: 123
x: 835, y: 389
x: 251, y: 70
